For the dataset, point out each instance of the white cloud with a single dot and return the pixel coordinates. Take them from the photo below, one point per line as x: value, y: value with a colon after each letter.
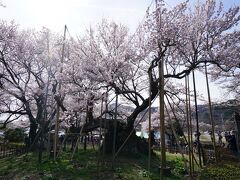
x: 77, y: 14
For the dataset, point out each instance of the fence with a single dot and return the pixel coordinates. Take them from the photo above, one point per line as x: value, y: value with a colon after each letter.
x: 7, y: 151
x: 173, y: 149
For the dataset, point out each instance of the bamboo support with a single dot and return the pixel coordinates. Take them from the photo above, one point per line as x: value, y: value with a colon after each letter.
x: 100, y: 137
x: 115, y: 132
x: 105, y: 122
x: 178, y: 122
x: 211, y: 114
x: 58, y: 108
x: 162, y: 123
x: 197, y: 122
x: 176, y: 137
x: 188, y: 129
x: 75, y: 148
x: 190, y: 122
x: 149, y: 125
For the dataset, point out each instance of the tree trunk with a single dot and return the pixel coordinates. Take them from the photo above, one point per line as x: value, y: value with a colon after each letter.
x: 85, y: 143
x: 32, y: 132
x: 41, y: 144
x: 145, y: 104
x: 134, y: 145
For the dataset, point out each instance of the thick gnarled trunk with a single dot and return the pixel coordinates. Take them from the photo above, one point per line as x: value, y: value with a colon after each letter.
x: 32, y: 132
x: 145, y: 104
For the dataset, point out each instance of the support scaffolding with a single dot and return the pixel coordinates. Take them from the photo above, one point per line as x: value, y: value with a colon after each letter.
x: 115, y: 131
x: 58, y: 107
x: 162, y: 122
x: 188, y: 130
x: 197, y: 122
x: 149, y: 124
x: 190, y: 121
x: 211, y: 115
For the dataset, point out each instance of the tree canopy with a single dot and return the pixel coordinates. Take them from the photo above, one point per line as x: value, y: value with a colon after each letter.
x: 108, y: 58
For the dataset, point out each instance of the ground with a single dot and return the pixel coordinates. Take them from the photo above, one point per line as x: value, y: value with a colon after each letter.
x: 84, y: 165
x: 222, y: 171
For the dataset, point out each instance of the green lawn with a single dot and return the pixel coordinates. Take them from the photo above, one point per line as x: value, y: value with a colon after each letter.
x: 222, y: 171
x: 84, y: 166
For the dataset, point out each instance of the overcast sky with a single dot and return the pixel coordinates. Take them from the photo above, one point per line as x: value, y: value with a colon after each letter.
x: 80, y: 14
x: 77, y: 14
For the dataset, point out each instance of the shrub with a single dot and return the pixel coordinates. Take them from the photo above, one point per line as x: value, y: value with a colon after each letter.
x: 14, y: 135
x: 224, y: 172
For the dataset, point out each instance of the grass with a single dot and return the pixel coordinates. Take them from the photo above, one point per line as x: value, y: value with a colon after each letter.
x: 27, y: 166
x: 84, y: 166
x: 223, y: 171
x: 207, y: 138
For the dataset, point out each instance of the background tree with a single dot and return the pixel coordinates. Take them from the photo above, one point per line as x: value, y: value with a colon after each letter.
x: 14, y: 135
x: 24, y: 59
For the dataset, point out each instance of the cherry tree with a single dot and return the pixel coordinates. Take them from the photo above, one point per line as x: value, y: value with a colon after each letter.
x: 201, y: 34
x: 24, y: 63
x: 107, y: 57
x: 123, y: 63
x: 185, y: 37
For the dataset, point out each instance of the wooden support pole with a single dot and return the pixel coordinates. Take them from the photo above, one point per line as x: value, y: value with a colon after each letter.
x: 162, y: 122
x: 105, y: 122
x: 178, y: 122
x: 100, y: 137
x: 100, y: 129
x: 211, y: 114
x: 58, y: 107
x: 197, y: 121
x: 188, y: 128
x: 190, y: 123
x: 176, y: 136
x: 149, y: 124
x: 75, y: 147
x: 44, y: 120
x: 114, y: 132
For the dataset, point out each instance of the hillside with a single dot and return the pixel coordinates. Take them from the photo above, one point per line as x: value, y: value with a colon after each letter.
x: 222, y: 112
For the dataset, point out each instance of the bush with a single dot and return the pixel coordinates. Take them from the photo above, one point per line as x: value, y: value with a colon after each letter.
x: 176, y: 163
x: 223, y: 171
x: 14, y: 135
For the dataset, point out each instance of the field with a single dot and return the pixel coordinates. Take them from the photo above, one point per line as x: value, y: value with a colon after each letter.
x: 85, y: 165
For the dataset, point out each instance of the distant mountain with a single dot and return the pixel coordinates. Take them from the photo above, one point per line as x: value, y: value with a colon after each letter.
x: 121, y: 107
x: 222, y: 112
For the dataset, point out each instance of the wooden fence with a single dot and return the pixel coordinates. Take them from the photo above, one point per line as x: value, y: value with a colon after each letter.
x: 7, y: 151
